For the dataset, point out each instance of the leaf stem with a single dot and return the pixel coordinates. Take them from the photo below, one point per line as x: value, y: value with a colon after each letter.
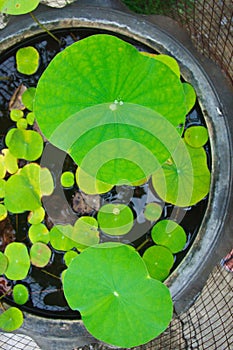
x: 44, y: 28
x: 50, y: 274
x: 143, y: 244
x: 5, y: 78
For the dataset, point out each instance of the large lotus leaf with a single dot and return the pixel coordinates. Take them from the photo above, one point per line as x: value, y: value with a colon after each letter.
x: 18, y: 261
x: 23, y: 190
x: 18, y: 7
x: 25, y: 144
x: 185, y: 179
x: 119, y: 303
x: 100, y: 89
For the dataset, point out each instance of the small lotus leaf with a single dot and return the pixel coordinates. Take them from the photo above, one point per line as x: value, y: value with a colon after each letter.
x: 115, y: 219
x: 36, y: 216
x: 2, y: 167
x: 69, y: 256
x: 67, y: 179
x: 22, y: 124
x: 18, y: 7
x: 25, y: 144
x: 27, y: 60
x: 20, y: 294
x: 3, y: 212
x: 115, y: 283
x: 28, y: 98
x: 23, y: 190
x: 85, y: 232
x: 153, y: 211
x: 11, y: 319
x: 196, y: 136
x: 40, y: 254
x: 3, y: 263
x: 190, y: 96
x: 89, y: 184
x: 2, y: 188
x: 16, y: 114
x: 185, y: 179
x: 59, y: 237
x: 38, y: 233
x: 159, y: 260
x: 18, y: 261
x: 30, y: 118
x: 11, y: 162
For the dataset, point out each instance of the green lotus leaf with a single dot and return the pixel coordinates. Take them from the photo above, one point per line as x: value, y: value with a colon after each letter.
x: 38, y: 233
x: 85, y: 232
x: 18, y: 261
x: 30, y: 118
x: 2, y: 188
x: 190, y: 96
x: 40, y: 254
x: 27, y: 60
x: 159, y: 261
x: 20, y: 294
x: 2, y: 167
x: 69, y: 256
x: 170, y: 62
x: 3, y: 212
x: 18, y: 7
x: 23, y: 190
x: 169, y: 234
x: 11, y: 319
x: 153, y: 211
x: 11, y: 162
x: 25, y: 144
x: 67, y: 179
x: 16, y: 114
x: 36, y: 216
x: 115, y: 283
x: 59, y: 237
x: 115, y: 219
x: 3, y: 263
x: 196, y: 136
x: 22, y: 124
x: 185, y: 179
x: 113, y: 119
x: 89, y: 184
x: 28, y: 98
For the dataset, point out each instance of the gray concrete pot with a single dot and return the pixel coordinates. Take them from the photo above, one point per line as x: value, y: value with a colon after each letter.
x: 163, y: 35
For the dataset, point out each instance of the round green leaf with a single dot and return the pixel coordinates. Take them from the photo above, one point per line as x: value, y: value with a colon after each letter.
x: 67, y: 179
x: 2, y: 188
x: 11, y: 162
x: 3, y: 263
x: 190, y: 96
x: 36, y: 216
x: 16, y: 114
x: 85, y: 232
x: 89, y: 184
x: 115, y: 219
x: 18, y: 261
x: 115, y: 289
x: 3, y: 212
x: 2, y: 167
x: 59, y: 237
x: 69, y: 256
x: 20, y: 294
x: 28, y: 98
x: 38, y: 233
x: 185, y: 179
x: 27, y: 60
x: 153, y: 211
x: 11, y: 319
x: 30, y: 118
x: 40, y: 254
x: 22, y: 124
x: 159, y: 260
x: 169, y: 234
x: 18, y: 7
x: 196, y: 136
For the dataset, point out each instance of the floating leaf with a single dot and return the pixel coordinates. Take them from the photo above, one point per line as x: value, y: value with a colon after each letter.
x: 89, y: 184
x: 11, y: 319
x: 20, y: 294
x: 59, y: 237
x: 38, y: 233
x: 2, y: 167
x: 3, y: 263
x: 85, y: 232
x: 36, y: 216
x: 169, y: 234
x: 23, y: 190
x: 40, y: 254
x: 27, y: 60
x: 159, y: 260
x: 30, y: 118
x: 2, y: 188
x: 16, y: 114
x: 115, y: 219
x: 67, y: 179
x: 69, y: 256
x: 28, y: 98
x: 18, y: 7
x: 190, y: 96
x: 185, y: 179
x: 196, y: 136
x: 18, y: 261
x: 153, y: 211
x: 3, y: 212
x: 115, y: 283
x: 11, y: 162
x: 22, y: 124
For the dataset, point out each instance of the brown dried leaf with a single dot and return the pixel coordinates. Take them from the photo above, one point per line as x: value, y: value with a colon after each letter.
x: 16, y: 100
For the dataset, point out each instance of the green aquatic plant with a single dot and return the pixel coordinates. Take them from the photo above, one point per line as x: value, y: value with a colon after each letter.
x: 159, y: 261
x: 40, y: 254
x: 27, y: 60
x: 18, y: 7
x: 20, y: 294
x: 67, y: 179
x: 28, y: 97
x: 11, y: 319
x: 38, y: 233
x: 196, y: 136
x: 153, y: 211
x: 18, y: 261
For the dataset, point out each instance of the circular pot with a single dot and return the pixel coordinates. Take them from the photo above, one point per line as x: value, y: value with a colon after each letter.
x: 213, y: 238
